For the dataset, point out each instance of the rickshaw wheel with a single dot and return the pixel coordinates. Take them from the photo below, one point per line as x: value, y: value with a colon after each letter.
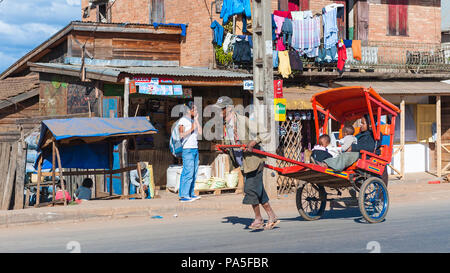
x: 311, y: 201
x: 373, y: 200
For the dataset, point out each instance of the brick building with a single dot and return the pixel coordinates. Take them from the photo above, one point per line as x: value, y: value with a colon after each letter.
x: 403, y: 21
x: 401, y: 43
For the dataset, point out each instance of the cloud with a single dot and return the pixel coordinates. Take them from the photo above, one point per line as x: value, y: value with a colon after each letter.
x: 73, y: 2
x: 7, y: 60
x: 26, y: 34
x: 25, y: 24
x: 43, y: 11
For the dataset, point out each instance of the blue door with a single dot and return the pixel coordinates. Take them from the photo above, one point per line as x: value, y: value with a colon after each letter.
x: 111, y: 110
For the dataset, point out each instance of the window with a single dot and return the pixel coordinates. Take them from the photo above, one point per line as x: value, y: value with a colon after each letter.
x: 425, y: 117
x: 102, y: 13
x: 410, y: 125
x: 304, y: 4
x: 293, y: 5
x: 157, y: 13
x: 398, y: 17
x: 419, y: 122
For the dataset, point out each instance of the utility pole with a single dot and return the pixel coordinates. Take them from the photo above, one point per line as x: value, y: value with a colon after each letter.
x: 263, y: 84
x: 126, y: 99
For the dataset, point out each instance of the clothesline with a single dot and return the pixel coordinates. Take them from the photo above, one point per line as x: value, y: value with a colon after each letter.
x: 309, y: 33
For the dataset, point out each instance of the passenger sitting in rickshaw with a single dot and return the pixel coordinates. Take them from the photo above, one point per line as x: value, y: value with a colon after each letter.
x: 320, y: 151
x: 365, y: 141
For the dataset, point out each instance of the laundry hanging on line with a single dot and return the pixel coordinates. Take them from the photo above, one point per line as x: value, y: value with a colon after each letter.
x: 218, y: 32
x: 306, y: 36
x: 235, y: 7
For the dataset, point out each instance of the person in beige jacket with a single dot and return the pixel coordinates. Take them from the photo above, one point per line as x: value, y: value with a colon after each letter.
x: 237, y: 130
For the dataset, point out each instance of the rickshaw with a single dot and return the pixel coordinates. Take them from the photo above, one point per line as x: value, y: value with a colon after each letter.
x: 365, y: 176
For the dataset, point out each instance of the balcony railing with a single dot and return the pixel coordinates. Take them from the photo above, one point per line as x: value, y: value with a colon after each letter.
x: 380, y: 56
x: 402, y: 57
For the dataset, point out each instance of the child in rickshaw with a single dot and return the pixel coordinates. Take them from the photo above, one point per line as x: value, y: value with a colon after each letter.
x: 348, y: 140
x: 362, y: 141
x: 320, y: 151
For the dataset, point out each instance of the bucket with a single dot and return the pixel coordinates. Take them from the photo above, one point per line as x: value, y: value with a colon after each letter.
x: 204, y: 172
x: 173, y: 177
x: 232, y: 179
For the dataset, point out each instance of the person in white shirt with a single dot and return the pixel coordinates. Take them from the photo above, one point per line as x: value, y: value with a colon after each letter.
x: 189, y: 129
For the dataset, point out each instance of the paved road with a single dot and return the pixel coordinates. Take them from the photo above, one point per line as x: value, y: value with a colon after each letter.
x: 408, y: 228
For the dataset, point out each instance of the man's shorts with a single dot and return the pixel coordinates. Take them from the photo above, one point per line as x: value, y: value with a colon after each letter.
x: 254, y: 188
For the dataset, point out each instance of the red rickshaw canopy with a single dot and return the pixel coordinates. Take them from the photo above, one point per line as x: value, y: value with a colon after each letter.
x: 350, y: 103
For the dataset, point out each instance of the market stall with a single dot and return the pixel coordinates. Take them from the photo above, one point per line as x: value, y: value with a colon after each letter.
x: 86, y: 143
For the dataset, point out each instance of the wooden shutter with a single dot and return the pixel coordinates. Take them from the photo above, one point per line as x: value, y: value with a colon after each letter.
x: 283, y: 5
x: 398, y: 17
x: 294, y: 5
x: 392, y: 17
x: 403, y: 17
x: 157, y: 12
x: 304, y: 4
x: 425, y: 117
x: 362, y: 21
x: 342, y: 22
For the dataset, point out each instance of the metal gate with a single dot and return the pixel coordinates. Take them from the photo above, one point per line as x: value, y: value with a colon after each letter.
x: 296, y: 135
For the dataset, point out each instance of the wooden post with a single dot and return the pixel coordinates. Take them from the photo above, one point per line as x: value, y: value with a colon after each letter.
x: 27, y: 198
x: 61, y: 175
x: 152, y: 186
x: 9, y: 179
x: 402, y: 137
x: 20, y: 173
x: 54, y: 171
x: 141, y: 189
x: 39, y: 177
x: 110, y: 152
x: 438, y: 136
x: 124, y: 154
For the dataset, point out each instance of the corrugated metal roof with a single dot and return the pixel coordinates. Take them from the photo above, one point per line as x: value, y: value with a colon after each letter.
x: 158, y: 71
x: 92, y: 69
x: 185, y: 71
x: 429, y: 88
x: 87, y: 26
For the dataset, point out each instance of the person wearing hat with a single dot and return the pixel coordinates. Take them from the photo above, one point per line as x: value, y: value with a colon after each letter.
x: 136, y: 185
x: 239, y: 130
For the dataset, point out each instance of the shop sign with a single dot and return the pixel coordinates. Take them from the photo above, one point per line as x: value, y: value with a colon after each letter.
x: 177, y: 90
x: 165, y: 80
x: 278, y: 88
x: 132, y: 87
x: 248, y: 85
x: 152, y: 86
x: 280, y: 109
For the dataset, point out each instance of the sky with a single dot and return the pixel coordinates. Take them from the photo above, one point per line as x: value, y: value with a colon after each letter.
x: 25, y: 24
x: 445, y: 11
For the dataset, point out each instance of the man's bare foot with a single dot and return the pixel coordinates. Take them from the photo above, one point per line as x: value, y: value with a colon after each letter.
x: 272, y: 223
x: 257, y: 224
x: 321, y: 164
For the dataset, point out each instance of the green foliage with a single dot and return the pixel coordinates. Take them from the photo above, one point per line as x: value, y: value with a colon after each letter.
x: 229, y: 26
x: 222, y: 57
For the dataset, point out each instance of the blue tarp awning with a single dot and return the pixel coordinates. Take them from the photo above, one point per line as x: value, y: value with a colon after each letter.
x: 83, y: 143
